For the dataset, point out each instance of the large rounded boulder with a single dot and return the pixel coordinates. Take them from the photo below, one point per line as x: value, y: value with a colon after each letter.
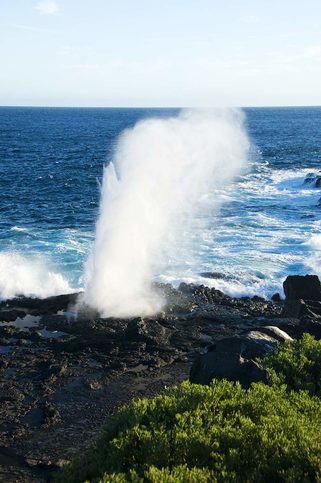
x: 227, y: 365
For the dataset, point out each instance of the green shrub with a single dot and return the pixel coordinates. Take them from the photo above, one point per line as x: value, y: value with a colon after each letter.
x: 163, y: 475
x: 297, y: 364
x: 211, y: 433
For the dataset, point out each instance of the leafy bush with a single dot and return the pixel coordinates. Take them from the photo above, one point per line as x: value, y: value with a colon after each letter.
x: 297, y: 364
x: 163, y: 475
x: 211, y: 433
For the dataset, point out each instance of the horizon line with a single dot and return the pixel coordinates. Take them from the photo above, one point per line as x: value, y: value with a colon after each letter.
x: 157, y: 107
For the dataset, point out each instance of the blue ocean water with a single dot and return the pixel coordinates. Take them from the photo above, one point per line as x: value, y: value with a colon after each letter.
x: 51, y: 162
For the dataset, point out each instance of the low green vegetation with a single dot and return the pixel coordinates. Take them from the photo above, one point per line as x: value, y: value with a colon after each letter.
x: 196, y: 433
x: 297, y: 364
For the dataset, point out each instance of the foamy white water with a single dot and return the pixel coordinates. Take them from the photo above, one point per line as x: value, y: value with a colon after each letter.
x: 250, y: 252
x: 164, y: 173
x: 30, y: 277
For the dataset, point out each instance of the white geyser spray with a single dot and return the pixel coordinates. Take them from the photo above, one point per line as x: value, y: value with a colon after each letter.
x: 161, y: 169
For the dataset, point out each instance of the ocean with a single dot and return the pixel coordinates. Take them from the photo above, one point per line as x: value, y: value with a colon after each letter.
x: 51, y: 164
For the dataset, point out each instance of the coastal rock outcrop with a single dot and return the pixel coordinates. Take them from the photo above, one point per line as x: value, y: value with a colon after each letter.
x: 36, y: 306
x: 227, y: 365
x: 68, y: 369
x: 252, y: 344
x: 233, y: 357
x: 302, y: 296
x: 306, y: 287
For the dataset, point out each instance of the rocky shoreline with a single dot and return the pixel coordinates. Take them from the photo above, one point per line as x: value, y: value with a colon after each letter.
x: 62, y: 376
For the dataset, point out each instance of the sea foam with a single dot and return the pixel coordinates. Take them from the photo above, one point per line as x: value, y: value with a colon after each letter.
x: 30, y: 277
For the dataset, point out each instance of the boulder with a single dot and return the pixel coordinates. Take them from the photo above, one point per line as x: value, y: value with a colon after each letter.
x: 275, y: 332
x: 310, y: 177
x: 226, y: 365
x: 252, y: 344
x: 307, y: 287
x: 314, y: 179
x: 276, y: 298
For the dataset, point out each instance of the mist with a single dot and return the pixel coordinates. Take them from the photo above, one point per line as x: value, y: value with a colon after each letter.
x: 161, y: 171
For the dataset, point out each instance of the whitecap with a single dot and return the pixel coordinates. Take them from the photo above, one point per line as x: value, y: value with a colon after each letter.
x: 18, y: 228
x: 31, y: 277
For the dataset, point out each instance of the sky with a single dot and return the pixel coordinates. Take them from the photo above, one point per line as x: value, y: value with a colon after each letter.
x: 166, y: 53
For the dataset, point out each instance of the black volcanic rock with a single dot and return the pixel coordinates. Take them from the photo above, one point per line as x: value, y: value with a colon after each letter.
x: 226, y: 365
x: 307, y: 287
x: 313, y: 179
x: 11, y: 315
x: 298, y: 309
x: 252, y: 344
x: 58, y: 390
x: 149, y: 331
x: 216, y: 275
x: 276, y: 297
x: 313, y: 327
x: 36, y: 306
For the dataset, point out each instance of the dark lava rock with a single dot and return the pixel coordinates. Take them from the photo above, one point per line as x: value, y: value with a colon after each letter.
x: 295, y: 327
x: 312, y: 327
x: 252, y: 344
x: 35, y: 306
x: 306, y: 287
x: 256, y: 298
x: 145, y: 330
x: 276, y: 297
x: 51, y: 415
x: 216, y: 275
x: 314, y: 179
x: 226, y: 365
x: 298, y: 309
x: 201, y: 293
x: 314, y: 306
x: 57, y: 392
x: 11, y: 315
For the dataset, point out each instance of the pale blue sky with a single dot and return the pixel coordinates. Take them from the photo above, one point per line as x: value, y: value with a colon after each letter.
x: 160, y: 52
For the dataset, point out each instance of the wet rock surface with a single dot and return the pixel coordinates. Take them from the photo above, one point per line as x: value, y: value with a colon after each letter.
x: 61, y: 376
x: 313, y: 179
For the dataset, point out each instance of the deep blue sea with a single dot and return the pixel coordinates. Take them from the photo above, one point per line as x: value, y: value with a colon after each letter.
x: 51, y: 162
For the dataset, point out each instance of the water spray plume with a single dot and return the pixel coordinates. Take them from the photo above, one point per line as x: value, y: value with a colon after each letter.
x: 160, y: 171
